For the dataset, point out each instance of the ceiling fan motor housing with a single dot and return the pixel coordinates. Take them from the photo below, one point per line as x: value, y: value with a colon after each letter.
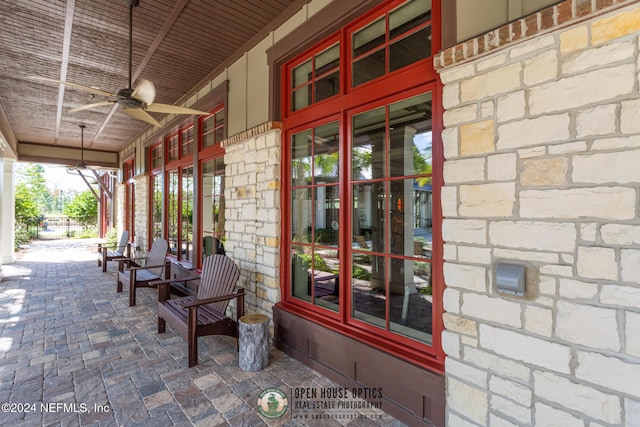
x: 126, y: 101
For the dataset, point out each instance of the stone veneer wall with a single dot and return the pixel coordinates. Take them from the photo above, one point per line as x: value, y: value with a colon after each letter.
x: 252, y: 214
x: 141, y: 215
x: 542, y: 148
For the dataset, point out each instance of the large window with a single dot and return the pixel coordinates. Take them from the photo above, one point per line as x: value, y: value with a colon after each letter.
x: 193, y: 224
x: 212, y: 205
x: 358, y: 179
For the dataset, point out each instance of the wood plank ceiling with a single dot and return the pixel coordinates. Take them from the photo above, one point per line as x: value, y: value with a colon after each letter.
x: 176, y: 44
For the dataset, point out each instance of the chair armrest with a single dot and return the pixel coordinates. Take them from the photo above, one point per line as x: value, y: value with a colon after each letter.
x: 145, y: 267
x: 177, y: 279
x: 197, y: 302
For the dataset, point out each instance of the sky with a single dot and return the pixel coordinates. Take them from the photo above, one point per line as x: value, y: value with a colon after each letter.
x: 57, y: 177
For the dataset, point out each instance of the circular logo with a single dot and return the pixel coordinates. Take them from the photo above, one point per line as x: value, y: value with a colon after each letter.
x: 273, y: 403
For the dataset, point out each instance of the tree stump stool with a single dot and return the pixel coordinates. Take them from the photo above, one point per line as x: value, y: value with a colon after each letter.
x: 253, y: 340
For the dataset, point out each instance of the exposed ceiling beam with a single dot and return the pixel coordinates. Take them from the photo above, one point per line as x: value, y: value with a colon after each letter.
x: 66, y: 47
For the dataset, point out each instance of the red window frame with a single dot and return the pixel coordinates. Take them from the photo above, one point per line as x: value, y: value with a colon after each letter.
x: 128, y: 171
x: 408, y: 81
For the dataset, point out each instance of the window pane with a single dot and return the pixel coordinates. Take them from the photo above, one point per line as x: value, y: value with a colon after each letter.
x: 187, y: 142
x: 301, y: 215
x: 368, y: 152
x: 327, y: 60
x: 301, y: 74
x: 212, y: 205
x: 326, y: 279
x: 410, y: 49
x: 157, y: 206
x: 326, y: 142
x: 368, y: 291
x: 327, y: 86
x: 327, y: 215
x: 408, y: 16
x: 368, y: 38
x: 368, y: 68
x: 368, y: 216
x: 301, y: 158
x: 301, y: 274
x: 302, y: 97
x: 410, y: 305
x: 172, y: 206
x: 187, y: 215
x: 410, y: 136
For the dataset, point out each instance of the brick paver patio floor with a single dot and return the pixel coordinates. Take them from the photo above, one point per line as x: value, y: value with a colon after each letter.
x: 72, y: 352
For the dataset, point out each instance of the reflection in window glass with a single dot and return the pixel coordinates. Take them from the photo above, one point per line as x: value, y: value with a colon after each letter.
x: 186, y: 216
x: 369, y: 67
x: 392, y: 217
x: 369, y: 38
x: 301, y: 74
x: 213, y: 205
x: 213, y: 129
x: 301, y: 158
x: 410, y: 49
x: 156, y: 207
x: 172, y: 211
x: 301, y: 215
x: 325, y: 150
x: 368, y: 150
x: 408, y: 16
x: 316, y: 79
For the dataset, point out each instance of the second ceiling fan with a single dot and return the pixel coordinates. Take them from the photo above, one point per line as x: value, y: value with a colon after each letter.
x: 138, y: 101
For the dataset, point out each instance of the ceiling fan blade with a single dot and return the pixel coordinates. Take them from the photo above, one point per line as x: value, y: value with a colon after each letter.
x: 145, y: 91
x: 88, y: 106
x: 173, y: 109
x: 140, y: 114
x: 77, y: 86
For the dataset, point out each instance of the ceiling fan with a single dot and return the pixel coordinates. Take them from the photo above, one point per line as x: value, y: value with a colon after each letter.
x: 138, y: 101
x: 81, y: 164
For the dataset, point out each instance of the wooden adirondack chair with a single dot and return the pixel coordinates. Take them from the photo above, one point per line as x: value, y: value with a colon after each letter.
x: 135, y: 276
x: 122, y: 250
x: 192, y: 317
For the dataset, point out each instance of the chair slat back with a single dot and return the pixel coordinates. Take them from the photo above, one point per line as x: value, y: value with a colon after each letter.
x: 219, y: 277
x: 157, y: 255
x: 122, y: 245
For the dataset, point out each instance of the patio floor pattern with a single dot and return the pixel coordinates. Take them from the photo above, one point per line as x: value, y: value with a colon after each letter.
x: 73, y: 353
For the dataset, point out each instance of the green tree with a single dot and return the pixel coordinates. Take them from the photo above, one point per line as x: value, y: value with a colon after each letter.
x: 32, y: 176
x: 27, y: 211
x: 84, y: 208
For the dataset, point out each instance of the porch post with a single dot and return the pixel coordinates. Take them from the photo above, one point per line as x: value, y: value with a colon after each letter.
x: 7, y: 212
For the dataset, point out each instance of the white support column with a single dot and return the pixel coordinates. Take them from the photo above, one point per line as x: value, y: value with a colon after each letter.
x: 7, y: 212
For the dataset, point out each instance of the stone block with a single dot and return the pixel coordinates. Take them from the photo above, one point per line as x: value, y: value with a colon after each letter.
x: 610, y: 203
x: 615, y: 26
x: 487, y: 200
x: 624, y: 296
x: 597, y: 369
x: 568, y: 147
x: 451, y: 344
x: 512, y: 390
x: 474, y: 255
x: 451, y: 300
x: 466, y: 372
x: 600, y: 120
x: 597, y: 263
x: 451, y: 96
x: 632, y: 412
x: 552, y: 417
x: 477, y: 138
x: 592, y: 168
x: 544, y: 99
x: 536, y: 44
x: 630, y: 265
x: 497, y: 364
x: 541, y: 68
x: 467, y: 400
x: 538, y: 320
x: 496, y: 82
x: 511, y: 409
x: 576, y: 289
x: 491, y: 309
x: 535, y: 235
x: 574, y: 39
x: 616, y: 143
x: 450, y: 142
x: 460, y: 325
x: 511, y: 106
x: 502, y: 167
x: 454, y: 74
x: 590, y: 326
x: 457, y: 115
x: 544, y: 172
x: 527, y: 349
x: 598, y: 57
x: 449, y: 201
x: 629, y: 112
x: 464, y: 170
x: 465, y: 276
x: 578, y: 397
x: 533, y: 132
x: 632, y: 334
x: 471, y: 231
x: 620, y: 234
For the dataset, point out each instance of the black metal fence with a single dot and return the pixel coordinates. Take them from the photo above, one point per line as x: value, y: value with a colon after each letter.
x: 52, y: 228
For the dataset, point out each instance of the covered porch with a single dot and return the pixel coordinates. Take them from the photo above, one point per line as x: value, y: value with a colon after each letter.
x: 69, y: 342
